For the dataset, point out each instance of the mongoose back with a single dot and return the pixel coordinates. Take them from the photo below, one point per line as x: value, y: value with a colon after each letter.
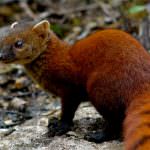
x: 109, y: 68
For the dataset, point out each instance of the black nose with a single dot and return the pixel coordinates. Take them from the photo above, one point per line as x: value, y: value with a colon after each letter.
x: 1, y: 56
x: 4, y: 56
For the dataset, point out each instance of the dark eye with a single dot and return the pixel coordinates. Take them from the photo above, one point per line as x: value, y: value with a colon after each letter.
x: 18, y: 44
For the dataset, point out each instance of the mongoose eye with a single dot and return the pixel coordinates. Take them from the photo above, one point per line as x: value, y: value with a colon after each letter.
x: 18, y: 44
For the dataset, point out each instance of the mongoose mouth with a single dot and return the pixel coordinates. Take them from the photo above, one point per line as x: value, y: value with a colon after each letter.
x: 6, y: 60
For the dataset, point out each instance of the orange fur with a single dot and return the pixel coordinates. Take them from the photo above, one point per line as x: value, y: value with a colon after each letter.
x: 113, y: 68
x: 109, y: 68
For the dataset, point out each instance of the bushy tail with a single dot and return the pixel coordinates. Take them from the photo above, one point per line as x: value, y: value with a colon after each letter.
x: 137, y: 124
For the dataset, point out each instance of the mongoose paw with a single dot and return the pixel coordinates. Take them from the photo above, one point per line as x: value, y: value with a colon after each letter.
x: 100, y: 136
x: 58, y: 127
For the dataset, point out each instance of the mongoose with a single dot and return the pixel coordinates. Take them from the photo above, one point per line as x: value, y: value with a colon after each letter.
x: 109, y: 68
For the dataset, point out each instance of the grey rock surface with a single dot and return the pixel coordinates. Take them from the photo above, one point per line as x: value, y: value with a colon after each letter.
x: 32, y: 134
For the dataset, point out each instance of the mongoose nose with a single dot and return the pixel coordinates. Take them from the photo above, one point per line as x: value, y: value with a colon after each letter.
x: 6, y: 56
x: 1, y: 56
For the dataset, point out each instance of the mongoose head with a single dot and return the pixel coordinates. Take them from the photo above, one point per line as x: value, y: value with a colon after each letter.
x: 22, y: 43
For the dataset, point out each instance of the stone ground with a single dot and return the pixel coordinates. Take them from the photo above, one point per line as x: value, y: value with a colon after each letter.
x: 31, y: 135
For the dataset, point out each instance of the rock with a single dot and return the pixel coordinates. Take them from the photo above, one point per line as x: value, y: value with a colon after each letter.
x: 32, y: 134
x: 9, y: 118
x: 61, y: 143
x: 4, y: 104
x: 4, y: 132
x: 9, y: 122
x: 18, y: 103
x: 21, y: 83
x: 4, y: 79
x: 43, y: 122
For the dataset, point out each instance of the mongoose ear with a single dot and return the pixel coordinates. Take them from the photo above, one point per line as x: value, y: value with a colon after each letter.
x: 41, y: 26
x: 13, y: 25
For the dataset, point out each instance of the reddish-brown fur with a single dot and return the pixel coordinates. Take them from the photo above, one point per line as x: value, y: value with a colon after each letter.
x: 114, y: 70
x: 109, y: 68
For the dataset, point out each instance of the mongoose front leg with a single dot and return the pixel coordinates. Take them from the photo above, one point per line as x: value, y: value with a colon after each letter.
x: 69, y: 103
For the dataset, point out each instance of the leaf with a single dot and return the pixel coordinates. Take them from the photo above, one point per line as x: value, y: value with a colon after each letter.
x: 136, y: 9
x: 58, y: 29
